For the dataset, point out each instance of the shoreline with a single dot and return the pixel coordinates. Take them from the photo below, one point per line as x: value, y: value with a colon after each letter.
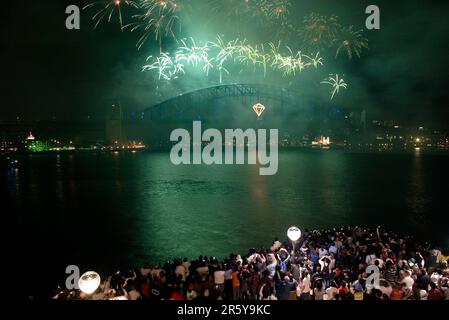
x: 160, y: 150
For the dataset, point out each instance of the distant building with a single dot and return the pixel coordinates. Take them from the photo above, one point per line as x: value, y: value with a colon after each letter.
x: 114, y: 126
x: 7, y: 145
x: 358, y: 119
x: 30, y: 137
x: 322, y: 142
x: 363, y: 120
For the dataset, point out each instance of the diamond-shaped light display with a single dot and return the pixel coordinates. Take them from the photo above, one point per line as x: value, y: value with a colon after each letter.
x: 259, y: 109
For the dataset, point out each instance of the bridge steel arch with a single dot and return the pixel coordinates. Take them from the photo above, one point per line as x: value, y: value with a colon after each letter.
x: 175, y: 108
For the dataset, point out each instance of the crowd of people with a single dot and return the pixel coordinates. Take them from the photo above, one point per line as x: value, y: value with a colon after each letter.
x: 349, y: 263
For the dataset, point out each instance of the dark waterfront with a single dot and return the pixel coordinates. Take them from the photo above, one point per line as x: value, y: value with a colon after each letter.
x: 106, y: 210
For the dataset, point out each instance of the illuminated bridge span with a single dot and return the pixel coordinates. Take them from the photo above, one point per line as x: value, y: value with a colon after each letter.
x: 225, y: 101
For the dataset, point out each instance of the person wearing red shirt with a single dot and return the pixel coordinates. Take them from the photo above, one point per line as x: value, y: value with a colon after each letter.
x: 434, y: 293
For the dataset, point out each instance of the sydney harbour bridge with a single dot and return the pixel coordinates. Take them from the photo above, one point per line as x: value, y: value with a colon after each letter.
x: 230, y: 106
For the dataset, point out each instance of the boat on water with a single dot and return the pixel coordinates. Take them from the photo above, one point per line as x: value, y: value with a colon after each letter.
x: 9, y: 162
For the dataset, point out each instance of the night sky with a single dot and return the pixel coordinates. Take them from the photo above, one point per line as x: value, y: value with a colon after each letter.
x: 54, y: 72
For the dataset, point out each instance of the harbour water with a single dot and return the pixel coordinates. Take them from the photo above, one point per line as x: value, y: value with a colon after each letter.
x: 106, y: 210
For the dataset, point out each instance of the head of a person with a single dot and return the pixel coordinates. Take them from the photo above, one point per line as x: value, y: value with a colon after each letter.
x: 444, y: 265
x: 444, y: 282
x: 389, y: 263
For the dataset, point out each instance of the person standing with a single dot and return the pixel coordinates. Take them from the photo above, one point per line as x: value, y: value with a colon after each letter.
x: 434, y: 293
x: 236, y: 284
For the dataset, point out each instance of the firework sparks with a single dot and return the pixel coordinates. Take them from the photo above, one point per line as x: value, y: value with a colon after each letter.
x: 319, y: 32
x: 218, y: 55
x: 158, y: 18
x: 236, y: 8
x: 316, y: 61
x: 266, y: 9
x: 108, y: 8
x: 155, y: 17
x: 337, y: 84
x: 165, y: 67
x: 352, y: 42
x: 275, y: 9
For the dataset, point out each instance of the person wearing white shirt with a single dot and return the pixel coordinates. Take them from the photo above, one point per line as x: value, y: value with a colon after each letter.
x: 332, y: 291
x: 219, y: 279
x: 186, y: 265
x: 322, y: 252
x: 203, y: 271
x: 380, y: 263
x: 370, y: 259
x: 271, y: 267
x: 306, y: 287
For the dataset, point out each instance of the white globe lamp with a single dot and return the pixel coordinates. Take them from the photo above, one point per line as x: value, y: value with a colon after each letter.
x: 294, y: 234
x: 89, y: 282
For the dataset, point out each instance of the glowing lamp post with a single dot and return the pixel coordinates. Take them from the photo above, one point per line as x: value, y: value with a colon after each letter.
x: 89, y: 282
x: 294, y: 234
